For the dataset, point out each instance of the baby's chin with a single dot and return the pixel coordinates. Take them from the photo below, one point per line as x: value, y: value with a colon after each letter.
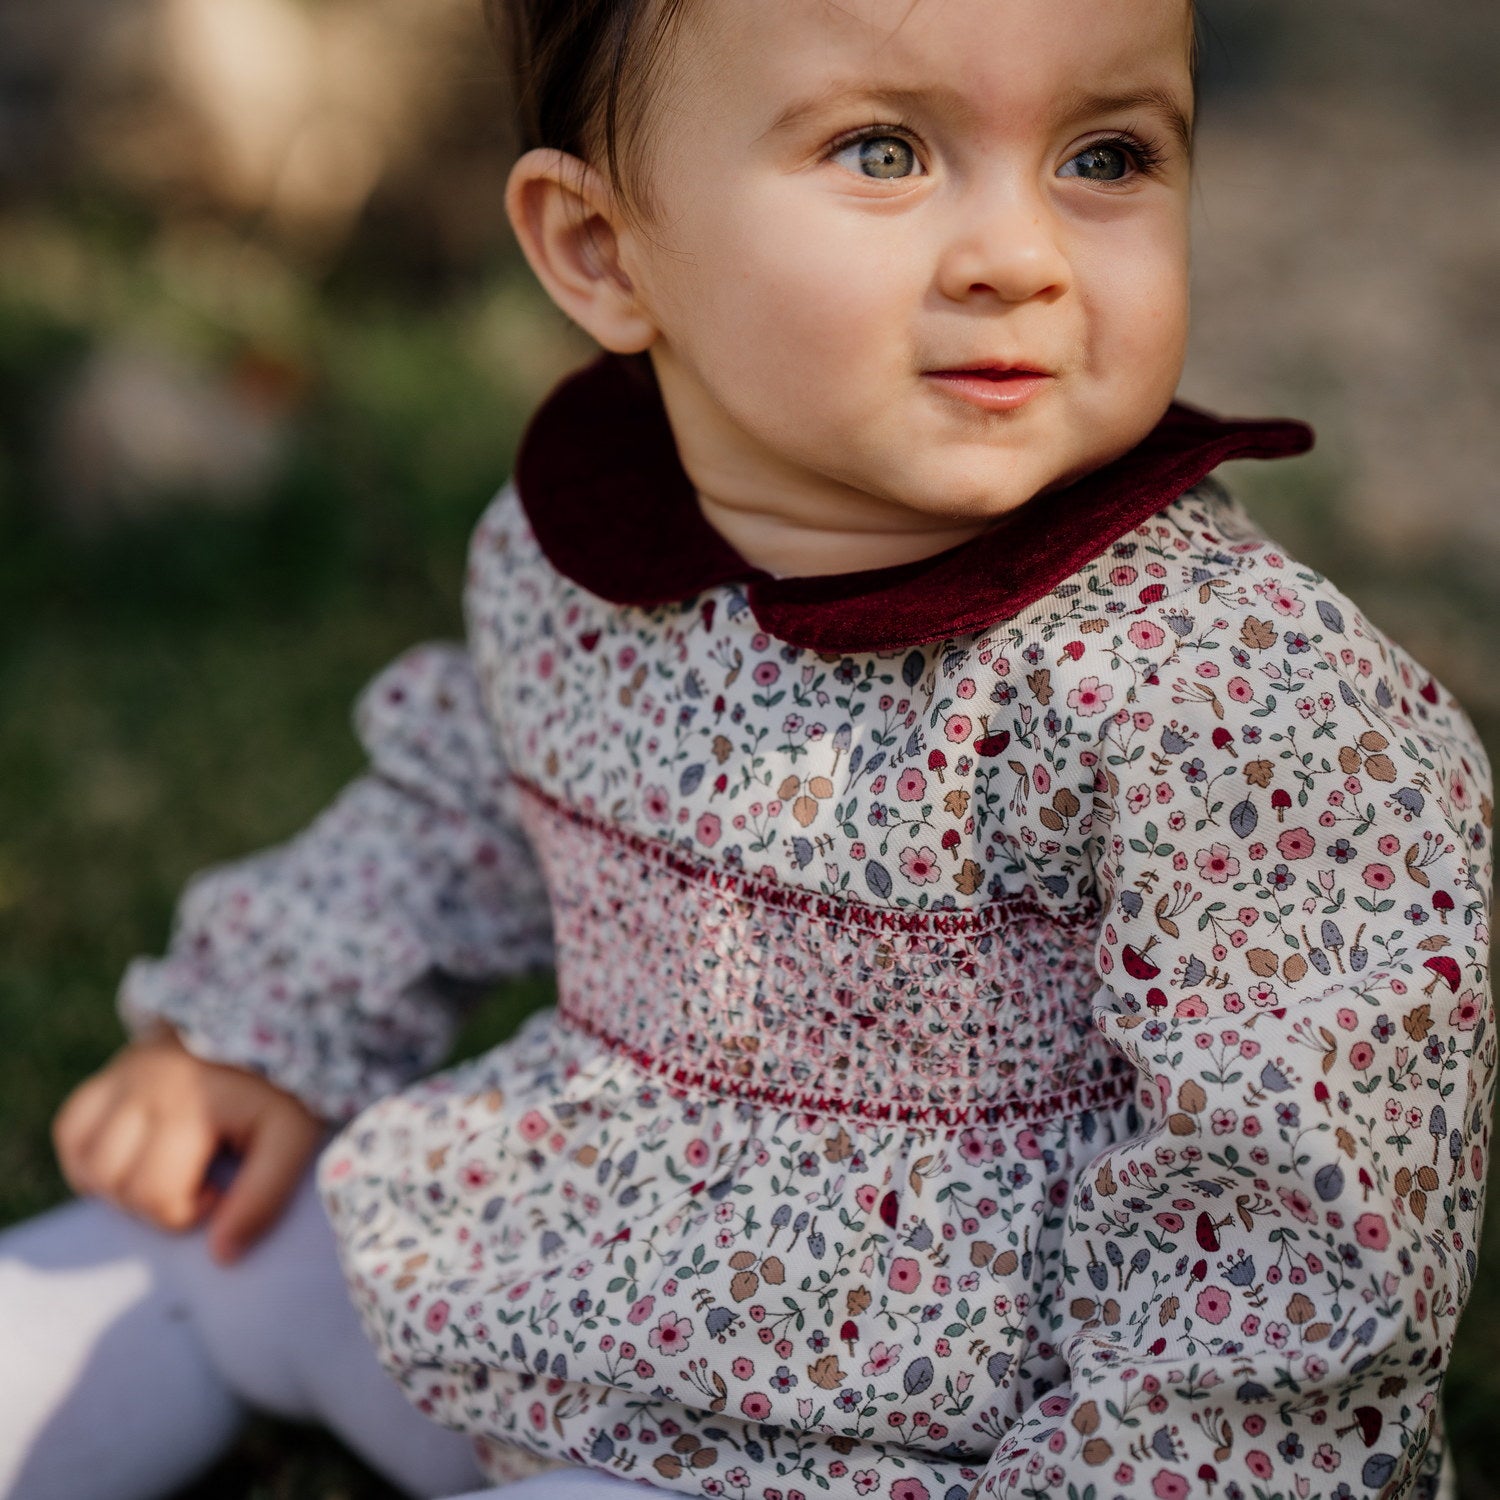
x: 978, y: 494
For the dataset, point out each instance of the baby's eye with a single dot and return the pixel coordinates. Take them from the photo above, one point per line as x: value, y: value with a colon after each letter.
x: 1103, y: 162
x: 880, y: 156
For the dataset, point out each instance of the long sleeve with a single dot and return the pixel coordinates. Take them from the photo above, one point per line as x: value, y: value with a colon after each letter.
x: 332, y: 964
x: 1260, y: 1286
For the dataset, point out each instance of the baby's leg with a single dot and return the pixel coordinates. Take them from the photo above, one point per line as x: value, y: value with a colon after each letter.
x: 128, y: 1358
x: 105, y: 1387
x: 315, y: 1365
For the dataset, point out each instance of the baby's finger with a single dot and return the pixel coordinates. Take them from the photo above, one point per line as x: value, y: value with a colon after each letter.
x: 75, y: 1124
x: 165, y: 1183
x: 273, y: 1162
x: 111, y: 1152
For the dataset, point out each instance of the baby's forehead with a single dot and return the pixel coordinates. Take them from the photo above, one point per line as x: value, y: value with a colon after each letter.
x: 991, y: 55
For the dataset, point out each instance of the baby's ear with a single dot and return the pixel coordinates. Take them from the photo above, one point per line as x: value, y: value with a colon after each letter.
x: 568, y: 222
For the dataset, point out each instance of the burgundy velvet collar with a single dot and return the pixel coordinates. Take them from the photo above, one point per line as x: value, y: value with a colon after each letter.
x: 613, y: 509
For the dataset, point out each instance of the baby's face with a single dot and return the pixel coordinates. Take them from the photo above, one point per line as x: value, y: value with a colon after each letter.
x: 856, y: 199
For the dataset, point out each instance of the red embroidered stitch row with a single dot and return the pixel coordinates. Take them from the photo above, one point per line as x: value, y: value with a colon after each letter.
x: 1058, y: 1104
x: 843, y: 909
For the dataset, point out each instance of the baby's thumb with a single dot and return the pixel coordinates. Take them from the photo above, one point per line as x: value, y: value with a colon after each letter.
x: 273, y: 1160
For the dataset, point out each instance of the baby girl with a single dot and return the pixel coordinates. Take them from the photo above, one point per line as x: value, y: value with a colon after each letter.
x: 1023, y: 1019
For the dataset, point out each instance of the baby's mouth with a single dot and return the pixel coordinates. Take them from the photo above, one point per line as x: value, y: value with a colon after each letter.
x: 993, y: 386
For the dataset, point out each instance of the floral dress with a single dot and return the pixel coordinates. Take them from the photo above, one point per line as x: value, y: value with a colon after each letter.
x: 1023, y: 1019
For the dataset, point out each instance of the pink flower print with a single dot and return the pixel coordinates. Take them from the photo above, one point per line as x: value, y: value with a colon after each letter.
x: 882, y: 1357
x: 1389, y: 844
x: 641, y: 1309
x: 1284, y: 600
x: 475, y: 1174
x: 910, y: 1489
x: 671, y: 1334
x: 958, y: 728
x: 708, y: 830
x: 1361, y: 1055
x: 1146, y: 634
x: 1192, y: 1007
x: 1258, y: 1463
x: 1296, y: 843
x: 1216, y: 864
x: 905, y: 1274
x: 920, y: 866
x: 1169, y: 1485
x: 911, y: 784
x: 1465, y: 1014
x: 696, y: 1152
x: 1213, y: 1304
x: 532, y: 1125
x: 865, y: 1195
x: 1091, y: 696
x: 437, y: 1317
x: 973, y: 1147
x: 865, y: 1480
x: 1378, y: 877
x: 1239, y: 689
x: 765, y: 673
x: 1372, y: 1231
x: 1298, y: 1204
x: 1263, y: 994
x: 654, y: 801
x: 756, y: 1405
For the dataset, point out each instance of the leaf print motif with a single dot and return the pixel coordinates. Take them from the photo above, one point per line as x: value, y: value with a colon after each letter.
x: 1259, y: 635
x: 1244, y: 820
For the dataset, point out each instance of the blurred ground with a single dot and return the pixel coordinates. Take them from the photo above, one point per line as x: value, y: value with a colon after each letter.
x: 265, y: 350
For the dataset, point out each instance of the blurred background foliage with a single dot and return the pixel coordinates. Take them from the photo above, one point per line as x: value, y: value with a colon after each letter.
x: 266, y: 348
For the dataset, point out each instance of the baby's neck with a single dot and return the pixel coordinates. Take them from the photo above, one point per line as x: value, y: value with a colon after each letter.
x: 788, y: 547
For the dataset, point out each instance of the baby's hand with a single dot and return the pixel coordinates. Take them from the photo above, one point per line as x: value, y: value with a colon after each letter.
x: 143, y: 1130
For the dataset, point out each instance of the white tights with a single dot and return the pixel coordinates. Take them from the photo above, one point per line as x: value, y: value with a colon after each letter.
x: 129, y: 1360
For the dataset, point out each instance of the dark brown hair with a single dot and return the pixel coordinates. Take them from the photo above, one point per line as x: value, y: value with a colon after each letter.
x: 582, y: 73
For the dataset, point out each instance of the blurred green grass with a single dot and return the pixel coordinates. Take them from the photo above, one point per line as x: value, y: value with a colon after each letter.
x: 175, y: 689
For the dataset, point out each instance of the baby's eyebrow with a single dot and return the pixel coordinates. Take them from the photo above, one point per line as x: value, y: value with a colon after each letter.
x: 903, y: 100
x: 1158, y: 101
x: 1073, y: 106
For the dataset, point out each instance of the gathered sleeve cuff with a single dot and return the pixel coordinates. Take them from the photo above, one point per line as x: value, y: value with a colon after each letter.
x: 1259, y: 1290
x: 337, y: 964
